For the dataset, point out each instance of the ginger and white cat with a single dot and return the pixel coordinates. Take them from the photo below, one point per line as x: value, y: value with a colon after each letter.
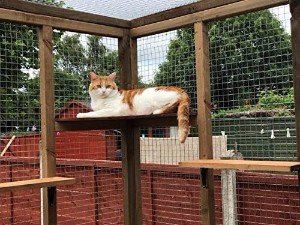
x: 107, y: 101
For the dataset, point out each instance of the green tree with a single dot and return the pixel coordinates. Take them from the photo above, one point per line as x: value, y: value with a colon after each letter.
x: 18, y: 52
x: 19, y: 89
x: 249, y: 54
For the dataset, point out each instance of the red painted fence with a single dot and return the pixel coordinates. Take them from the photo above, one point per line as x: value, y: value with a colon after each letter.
x: 170, y: 195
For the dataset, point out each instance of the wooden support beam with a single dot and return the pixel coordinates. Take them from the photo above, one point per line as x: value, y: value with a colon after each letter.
x: 295, y: 31
x: 179, y: 11
x: 35, y: 183
x: 73, y: 124
x: 8, y: 145
x: 53, y: 11
x: 130, y: 137
x: 59, y: 23
x: 217, y: 13
x: 204, y: 120
x: 251, y: 165
x: 131, y: 175
x: 128, y: 61
x: 47, y: 146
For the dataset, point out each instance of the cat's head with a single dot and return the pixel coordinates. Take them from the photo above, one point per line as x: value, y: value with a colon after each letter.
x: 102, y: 86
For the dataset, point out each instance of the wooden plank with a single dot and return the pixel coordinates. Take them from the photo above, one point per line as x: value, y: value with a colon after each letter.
x: 125, y: 60
x: 179, y: 11
x: 59, y: 23
x: 206, y: 15
x: 7, y: 146
x: 35, y: 183
x: 275, y: 166
x: 204, y: 121
x: 295, y: 32
x: 53, y: 11
x: 74, y: 124
x: 131, y: 175
x: 47, y: 145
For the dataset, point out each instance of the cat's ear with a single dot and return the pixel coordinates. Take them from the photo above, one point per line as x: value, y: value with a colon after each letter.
x: 93, y: 76
x: 112, y: 76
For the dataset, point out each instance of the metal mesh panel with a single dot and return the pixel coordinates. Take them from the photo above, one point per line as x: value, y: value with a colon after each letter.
x: 89, y: 156
x: 19, y: 122
x: 128, y: 9
x: 252, y: 84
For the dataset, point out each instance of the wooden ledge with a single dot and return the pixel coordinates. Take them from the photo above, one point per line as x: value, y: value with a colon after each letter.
x: 35, y: 183
x: 161, y: 120
x: 276, y: 166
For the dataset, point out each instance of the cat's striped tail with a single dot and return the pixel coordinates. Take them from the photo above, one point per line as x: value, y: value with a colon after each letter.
x: 183, y: 116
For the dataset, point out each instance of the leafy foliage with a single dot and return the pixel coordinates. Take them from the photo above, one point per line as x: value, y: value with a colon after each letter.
x: 250, y: 53
x: 19, y: 80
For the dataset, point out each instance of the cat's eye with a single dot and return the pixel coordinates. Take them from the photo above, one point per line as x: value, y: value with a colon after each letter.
x: 108, y: 86
x: 98, y: 86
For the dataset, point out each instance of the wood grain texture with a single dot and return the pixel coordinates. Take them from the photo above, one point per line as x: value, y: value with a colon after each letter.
x: 217, y: 13
x: 273, y: 166
x: 204, y: 121
x: 59, y: 23
x: 131, y: 175
x: 53, y: 11
x: 74, y: 124
x: 179, y: 11
x: 35, y: 183
x: 295, y: 32
x: 47, y: 145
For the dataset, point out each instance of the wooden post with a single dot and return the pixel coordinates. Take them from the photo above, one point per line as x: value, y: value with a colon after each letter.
x: 131, y: 175
x: 130, y: 136
x: 295, y: 30
x: 204, y: 121
x: 128, y: 61
x: 47, y: 150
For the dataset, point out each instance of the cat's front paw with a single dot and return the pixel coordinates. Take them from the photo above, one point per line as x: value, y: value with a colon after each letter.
x: 81, y: 115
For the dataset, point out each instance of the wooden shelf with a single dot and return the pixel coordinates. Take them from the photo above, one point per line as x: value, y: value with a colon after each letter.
x: 35, y: 183
x: 276, y: 166
x: 161, y: 120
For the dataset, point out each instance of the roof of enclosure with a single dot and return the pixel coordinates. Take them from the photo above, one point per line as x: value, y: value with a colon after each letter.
x: 125, y: 9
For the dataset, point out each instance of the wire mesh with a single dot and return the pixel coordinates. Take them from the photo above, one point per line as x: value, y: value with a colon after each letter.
x: 89, y: 156
x: 252, y: 86
x: 251, y: 75
x: 128, y: 9
x: 20, y: 121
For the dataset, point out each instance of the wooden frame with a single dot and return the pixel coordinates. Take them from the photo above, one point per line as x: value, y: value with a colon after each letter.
x: 198, y: 14
x: 216, y: 13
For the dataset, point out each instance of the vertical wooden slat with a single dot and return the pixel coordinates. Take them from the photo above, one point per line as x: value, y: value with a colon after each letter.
x: 47, y: 150
x: 295, y: 29
x: 130, y: 136
x: 131, y: 175
x: 204, y: 120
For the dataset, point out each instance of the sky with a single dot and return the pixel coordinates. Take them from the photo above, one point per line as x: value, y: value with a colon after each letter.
x: 152, y: 50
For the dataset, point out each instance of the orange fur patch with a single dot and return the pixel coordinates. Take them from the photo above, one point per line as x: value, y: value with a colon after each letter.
x: 128, y: 96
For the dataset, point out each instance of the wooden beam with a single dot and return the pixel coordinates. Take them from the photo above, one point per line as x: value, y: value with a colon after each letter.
x: 53, y: 11
x: 131, y: 175
x: 59, y: 23
x: 7, y: 146
x: 73, y: 124
x: 179, y: 11
x: 35, y: 183
x: 47, y: 146
x: 295, y: 32
x: 275, y: 166
x: 204, y: 121
x: 217, y: 13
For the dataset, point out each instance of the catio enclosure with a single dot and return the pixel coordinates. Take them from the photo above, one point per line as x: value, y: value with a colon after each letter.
x: 239, y: 61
